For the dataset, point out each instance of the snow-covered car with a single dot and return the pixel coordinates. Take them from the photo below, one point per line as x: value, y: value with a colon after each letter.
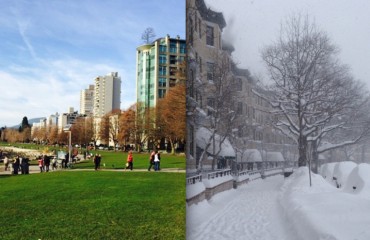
x: 342, y: 171
x: 358, y: 181
x: 327, y: 170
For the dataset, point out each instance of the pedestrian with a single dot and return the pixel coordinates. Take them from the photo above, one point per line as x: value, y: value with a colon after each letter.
x: 54, y: 163
x: 46, y: 163
x: 97, y: 159
x: 16, y: 166
x: 151, y: 160
x: 156, y: 161
x: 25, y: 166
x: 41, y: 164
x: 6, y: 163
x: 130, y: 160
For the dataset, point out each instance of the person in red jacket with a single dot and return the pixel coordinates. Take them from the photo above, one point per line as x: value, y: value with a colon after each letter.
x: 130, y: 160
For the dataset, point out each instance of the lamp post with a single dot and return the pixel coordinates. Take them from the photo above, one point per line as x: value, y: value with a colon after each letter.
x: 67, y: 129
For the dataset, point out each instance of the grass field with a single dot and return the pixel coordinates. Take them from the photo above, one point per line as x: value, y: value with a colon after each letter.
x: 93, y: 205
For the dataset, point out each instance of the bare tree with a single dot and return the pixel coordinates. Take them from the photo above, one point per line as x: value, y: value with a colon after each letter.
x: 313, y: 95
x: 148, y: 35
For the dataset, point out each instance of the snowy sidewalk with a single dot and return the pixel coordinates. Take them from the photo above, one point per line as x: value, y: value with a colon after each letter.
x: 249, y: 212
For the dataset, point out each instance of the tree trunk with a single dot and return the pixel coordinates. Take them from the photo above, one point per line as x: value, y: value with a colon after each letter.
x: 302, y: 148
x: 315, y: 157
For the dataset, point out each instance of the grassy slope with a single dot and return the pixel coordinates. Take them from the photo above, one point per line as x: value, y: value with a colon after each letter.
x: 93, y: 205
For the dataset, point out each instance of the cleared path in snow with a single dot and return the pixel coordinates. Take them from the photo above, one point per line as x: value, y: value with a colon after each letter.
x: 249, y: 212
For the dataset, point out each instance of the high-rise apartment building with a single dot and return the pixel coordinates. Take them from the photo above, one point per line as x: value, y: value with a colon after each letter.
x: 157, y: 65
x: 87, y: 101
x: 107, y: 96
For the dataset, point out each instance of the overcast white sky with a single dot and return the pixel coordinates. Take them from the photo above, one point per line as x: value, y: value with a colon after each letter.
x: 51, y: 50
x: 252, y: 24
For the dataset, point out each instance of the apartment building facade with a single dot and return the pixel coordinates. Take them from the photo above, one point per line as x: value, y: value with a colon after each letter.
x: 157, y: 65
x: 87, y: 101
x: 107, y: 94
x: 210, y: 62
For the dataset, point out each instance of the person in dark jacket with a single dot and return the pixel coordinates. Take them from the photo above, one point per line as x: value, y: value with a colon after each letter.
x: 16, y: 165
x: 46, y: 163
x: 151, y: 160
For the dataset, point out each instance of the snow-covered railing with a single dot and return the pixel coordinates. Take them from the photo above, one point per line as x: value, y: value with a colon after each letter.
x: 218, y: 174
x: 254, y: 174
x: 242, y: 173
x: 194, y: 179
x: 273, y: 171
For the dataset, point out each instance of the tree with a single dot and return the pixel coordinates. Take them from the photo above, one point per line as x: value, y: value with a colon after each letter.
x: 104, y: 129
x: 171, y: 116
x: 127, y: 126
x: 114, y: 126
x: 313, y: 95
x: 148, y: 35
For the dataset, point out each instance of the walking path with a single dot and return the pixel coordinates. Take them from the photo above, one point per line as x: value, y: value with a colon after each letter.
x: 249, y: 212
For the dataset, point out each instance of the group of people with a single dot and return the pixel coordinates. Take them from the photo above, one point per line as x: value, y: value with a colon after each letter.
x: 44, y: 163
x: 154, y: 160
x: 20, y: 164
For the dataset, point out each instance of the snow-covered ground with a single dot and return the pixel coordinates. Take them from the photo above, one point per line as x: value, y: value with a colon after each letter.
x: 288, y: 209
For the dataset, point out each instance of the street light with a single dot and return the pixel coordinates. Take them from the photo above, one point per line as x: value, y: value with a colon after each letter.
x: 67, y: 128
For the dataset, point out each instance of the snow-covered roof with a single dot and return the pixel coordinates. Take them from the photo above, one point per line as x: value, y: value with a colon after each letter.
x: 274, y: 157
x: 203, y: 137
x: 250, y: 155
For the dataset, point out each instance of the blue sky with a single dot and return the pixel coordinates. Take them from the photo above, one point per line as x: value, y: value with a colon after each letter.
x: 52, y: 49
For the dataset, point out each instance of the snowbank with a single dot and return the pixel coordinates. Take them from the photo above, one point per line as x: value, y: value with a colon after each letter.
x: 358, y: 181
x: 323, y: 211
x: 213, y: 182
x: 194, y: 189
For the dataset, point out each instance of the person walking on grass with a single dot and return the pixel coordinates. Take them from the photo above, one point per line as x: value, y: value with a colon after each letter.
x: 16, y: 165
x: 151, y: 160
x: 46, y: 163
x: 157, y: 158
x: 130, y: 161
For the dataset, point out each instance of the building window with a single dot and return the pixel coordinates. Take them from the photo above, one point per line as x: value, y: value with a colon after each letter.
x: 210, y: 71
x: 239, y: 108
x: 210, y: 106
x: 162, y: 70
x: 162, y: 82
x: 173, y: 48
x: 162, y: 59
x: 162, y: 48
x: 173, y: 59
x: 182, y: 48
x: 238, y: 84
x: 210, y: 36
x: 161, y: 93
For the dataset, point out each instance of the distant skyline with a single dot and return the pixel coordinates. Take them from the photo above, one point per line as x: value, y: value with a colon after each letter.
x: 51, y: 50
x: 253, y: 24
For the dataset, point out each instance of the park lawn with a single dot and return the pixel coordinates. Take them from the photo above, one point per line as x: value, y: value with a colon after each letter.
x: 117, y: 160
x: 93, y: 205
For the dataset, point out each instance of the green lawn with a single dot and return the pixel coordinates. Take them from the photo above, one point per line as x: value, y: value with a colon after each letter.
x: 93, y: 205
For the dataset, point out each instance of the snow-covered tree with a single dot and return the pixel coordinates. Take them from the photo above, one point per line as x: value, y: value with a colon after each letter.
x: 313, y: 95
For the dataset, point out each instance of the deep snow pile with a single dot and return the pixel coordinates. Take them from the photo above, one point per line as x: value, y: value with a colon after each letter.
x: 342, y: 171
x: 323, y: 211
